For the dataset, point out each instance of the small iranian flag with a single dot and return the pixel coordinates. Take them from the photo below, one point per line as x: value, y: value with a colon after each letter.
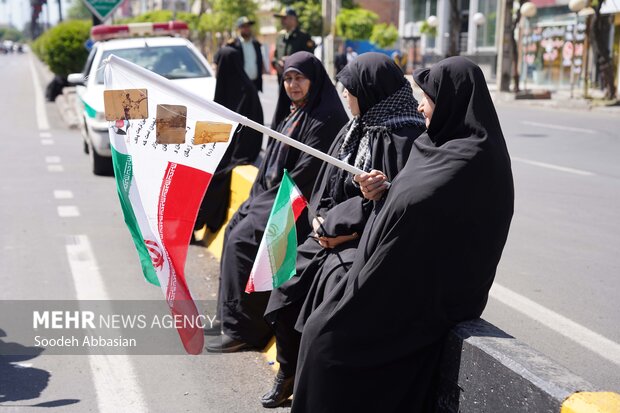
x: 277, y: 253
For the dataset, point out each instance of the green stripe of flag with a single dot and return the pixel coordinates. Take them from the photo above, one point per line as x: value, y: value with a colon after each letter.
x: 124, y: 175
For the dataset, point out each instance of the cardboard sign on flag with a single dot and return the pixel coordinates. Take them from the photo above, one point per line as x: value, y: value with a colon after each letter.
x: 161, y: 186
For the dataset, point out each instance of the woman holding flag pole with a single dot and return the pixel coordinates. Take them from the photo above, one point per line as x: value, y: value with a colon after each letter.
x: 379, y: 137
x: 309, y: 111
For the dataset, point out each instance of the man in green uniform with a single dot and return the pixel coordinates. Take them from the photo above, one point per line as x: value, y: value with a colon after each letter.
x: 290, y: 40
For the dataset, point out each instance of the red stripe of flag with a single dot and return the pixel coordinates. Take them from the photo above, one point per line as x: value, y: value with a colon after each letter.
x: 181, y: 193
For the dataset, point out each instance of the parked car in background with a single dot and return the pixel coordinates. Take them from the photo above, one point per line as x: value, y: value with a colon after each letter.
x: 160, y: 48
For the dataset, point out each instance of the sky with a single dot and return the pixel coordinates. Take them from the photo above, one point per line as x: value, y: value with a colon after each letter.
x: 18, y: 12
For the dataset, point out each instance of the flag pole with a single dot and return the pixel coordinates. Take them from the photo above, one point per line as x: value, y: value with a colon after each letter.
x: 228, y: 114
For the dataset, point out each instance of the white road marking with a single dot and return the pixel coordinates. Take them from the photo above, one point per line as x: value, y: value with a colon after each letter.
x: 55, y: 168
x: 47, y: 142
x: 39, y: 105
x: 554, y: 167
x: 559, y: 127
x: 52, y: 159
x: 581, y: 335
x: 114, y: 377
x: 45, y: 135
x: 68, y: 211
x: 63, y: 194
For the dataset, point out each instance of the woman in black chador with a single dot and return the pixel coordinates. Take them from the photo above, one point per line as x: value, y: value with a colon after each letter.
x: 426, y: 259
x: 308, y: 110
x: 236, y: 91
x: 379, y: 136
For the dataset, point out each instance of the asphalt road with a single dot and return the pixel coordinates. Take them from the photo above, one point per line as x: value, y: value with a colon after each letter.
x: 556, y: 290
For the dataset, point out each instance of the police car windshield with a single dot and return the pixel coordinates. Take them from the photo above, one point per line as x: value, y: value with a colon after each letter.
x: 172, y: 62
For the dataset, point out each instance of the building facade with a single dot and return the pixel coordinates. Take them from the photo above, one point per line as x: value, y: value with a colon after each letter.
x: 477, y: 35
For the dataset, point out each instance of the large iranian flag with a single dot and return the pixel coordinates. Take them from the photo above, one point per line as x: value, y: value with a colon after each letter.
x: 277, y: 253
x: 161, y: 186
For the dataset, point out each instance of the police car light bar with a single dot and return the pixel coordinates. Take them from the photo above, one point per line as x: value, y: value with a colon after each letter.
x: 123, y: 31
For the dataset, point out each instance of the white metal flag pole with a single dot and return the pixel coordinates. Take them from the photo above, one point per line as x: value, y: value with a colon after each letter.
x: 229, y: 114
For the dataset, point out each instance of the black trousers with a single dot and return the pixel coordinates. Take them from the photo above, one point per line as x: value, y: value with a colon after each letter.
x: 241, y: 313
x: 287, y: 338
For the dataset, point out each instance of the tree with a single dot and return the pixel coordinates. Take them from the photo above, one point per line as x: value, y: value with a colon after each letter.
x: 514, y: 46
x: 9, y: 33
x: 310, y: 17
x: 356, y: 24
x: 599, y: 35
x: 384, y: 35
x: 78, y: 11
x: 62, y: 47
x: 455, y: 29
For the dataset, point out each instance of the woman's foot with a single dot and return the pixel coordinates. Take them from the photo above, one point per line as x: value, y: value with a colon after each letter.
x: 281, y: 391
x: 226, y: 344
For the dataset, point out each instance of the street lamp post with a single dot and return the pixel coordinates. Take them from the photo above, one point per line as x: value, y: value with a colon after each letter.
x: 528, y: 10
x: 432, y: 22
x: 478, y: 20
x: 587, y: 12
x: 575, y: 6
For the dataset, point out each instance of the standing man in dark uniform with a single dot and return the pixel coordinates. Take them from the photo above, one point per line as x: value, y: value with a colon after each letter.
x: 251, y: 51
x: 290, y: 40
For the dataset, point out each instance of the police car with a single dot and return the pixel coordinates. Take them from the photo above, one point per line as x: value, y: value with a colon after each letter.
x: 159, y: 47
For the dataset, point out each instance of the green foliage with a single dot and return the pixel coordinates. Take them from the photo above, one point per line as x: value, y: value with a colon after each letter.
x: 159, y: 16
x: 151, y: 16
x: 355, y: 24
x: 223, y: 15
x: 9, y: 33
x: 62, y: 47
x: 384, y: 35
x: 227, y: 12
x: 427, y: 29
x: 310, y: 18
x: 348, y: 4
x: 78, y: 11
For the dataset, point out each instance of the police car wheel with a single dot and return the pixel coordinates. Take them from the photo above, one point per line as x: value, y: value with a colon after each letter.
x: 102, y: 165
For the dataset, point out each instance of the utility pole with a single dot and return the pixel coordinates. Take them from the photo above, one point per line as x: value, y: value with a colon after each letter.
x: 59, y: 10
x: 329, y: 10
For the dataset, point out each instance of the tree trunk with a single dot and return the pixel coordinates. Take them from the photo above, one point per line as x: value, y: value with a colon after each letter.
x: 507, y: 48
x: 599, y: 36
x: 515, y: 48
x: 455, y: 29
x: 202, y: 35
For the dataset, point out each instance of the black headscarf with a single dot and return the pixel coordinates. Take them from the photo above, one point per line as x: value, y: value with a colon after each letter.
x: 322, y: 97
x: 426, y: 259
x: 463, y: 105
x: 371, y: 78
x: 321, y: 106
x: 386, y: 103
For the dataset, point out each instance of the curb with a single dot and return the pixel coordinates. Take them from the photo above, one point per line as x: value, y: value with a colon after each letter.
x: 66, y: 106
x: 485, y: 369
x: 592, y: 402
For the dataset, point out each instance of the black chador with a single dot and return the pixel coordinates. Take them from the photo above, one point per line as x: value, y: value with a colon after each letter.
x: 426, y: 260
x: 380, y: 137
x: 315, y: 122
x: 237, y: 92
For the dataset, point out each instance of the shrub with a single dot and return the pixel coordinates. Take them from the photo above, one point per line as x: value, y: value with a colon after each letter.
x: 355, y: 24
x: 384, y: 35
x: 62, y: 47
